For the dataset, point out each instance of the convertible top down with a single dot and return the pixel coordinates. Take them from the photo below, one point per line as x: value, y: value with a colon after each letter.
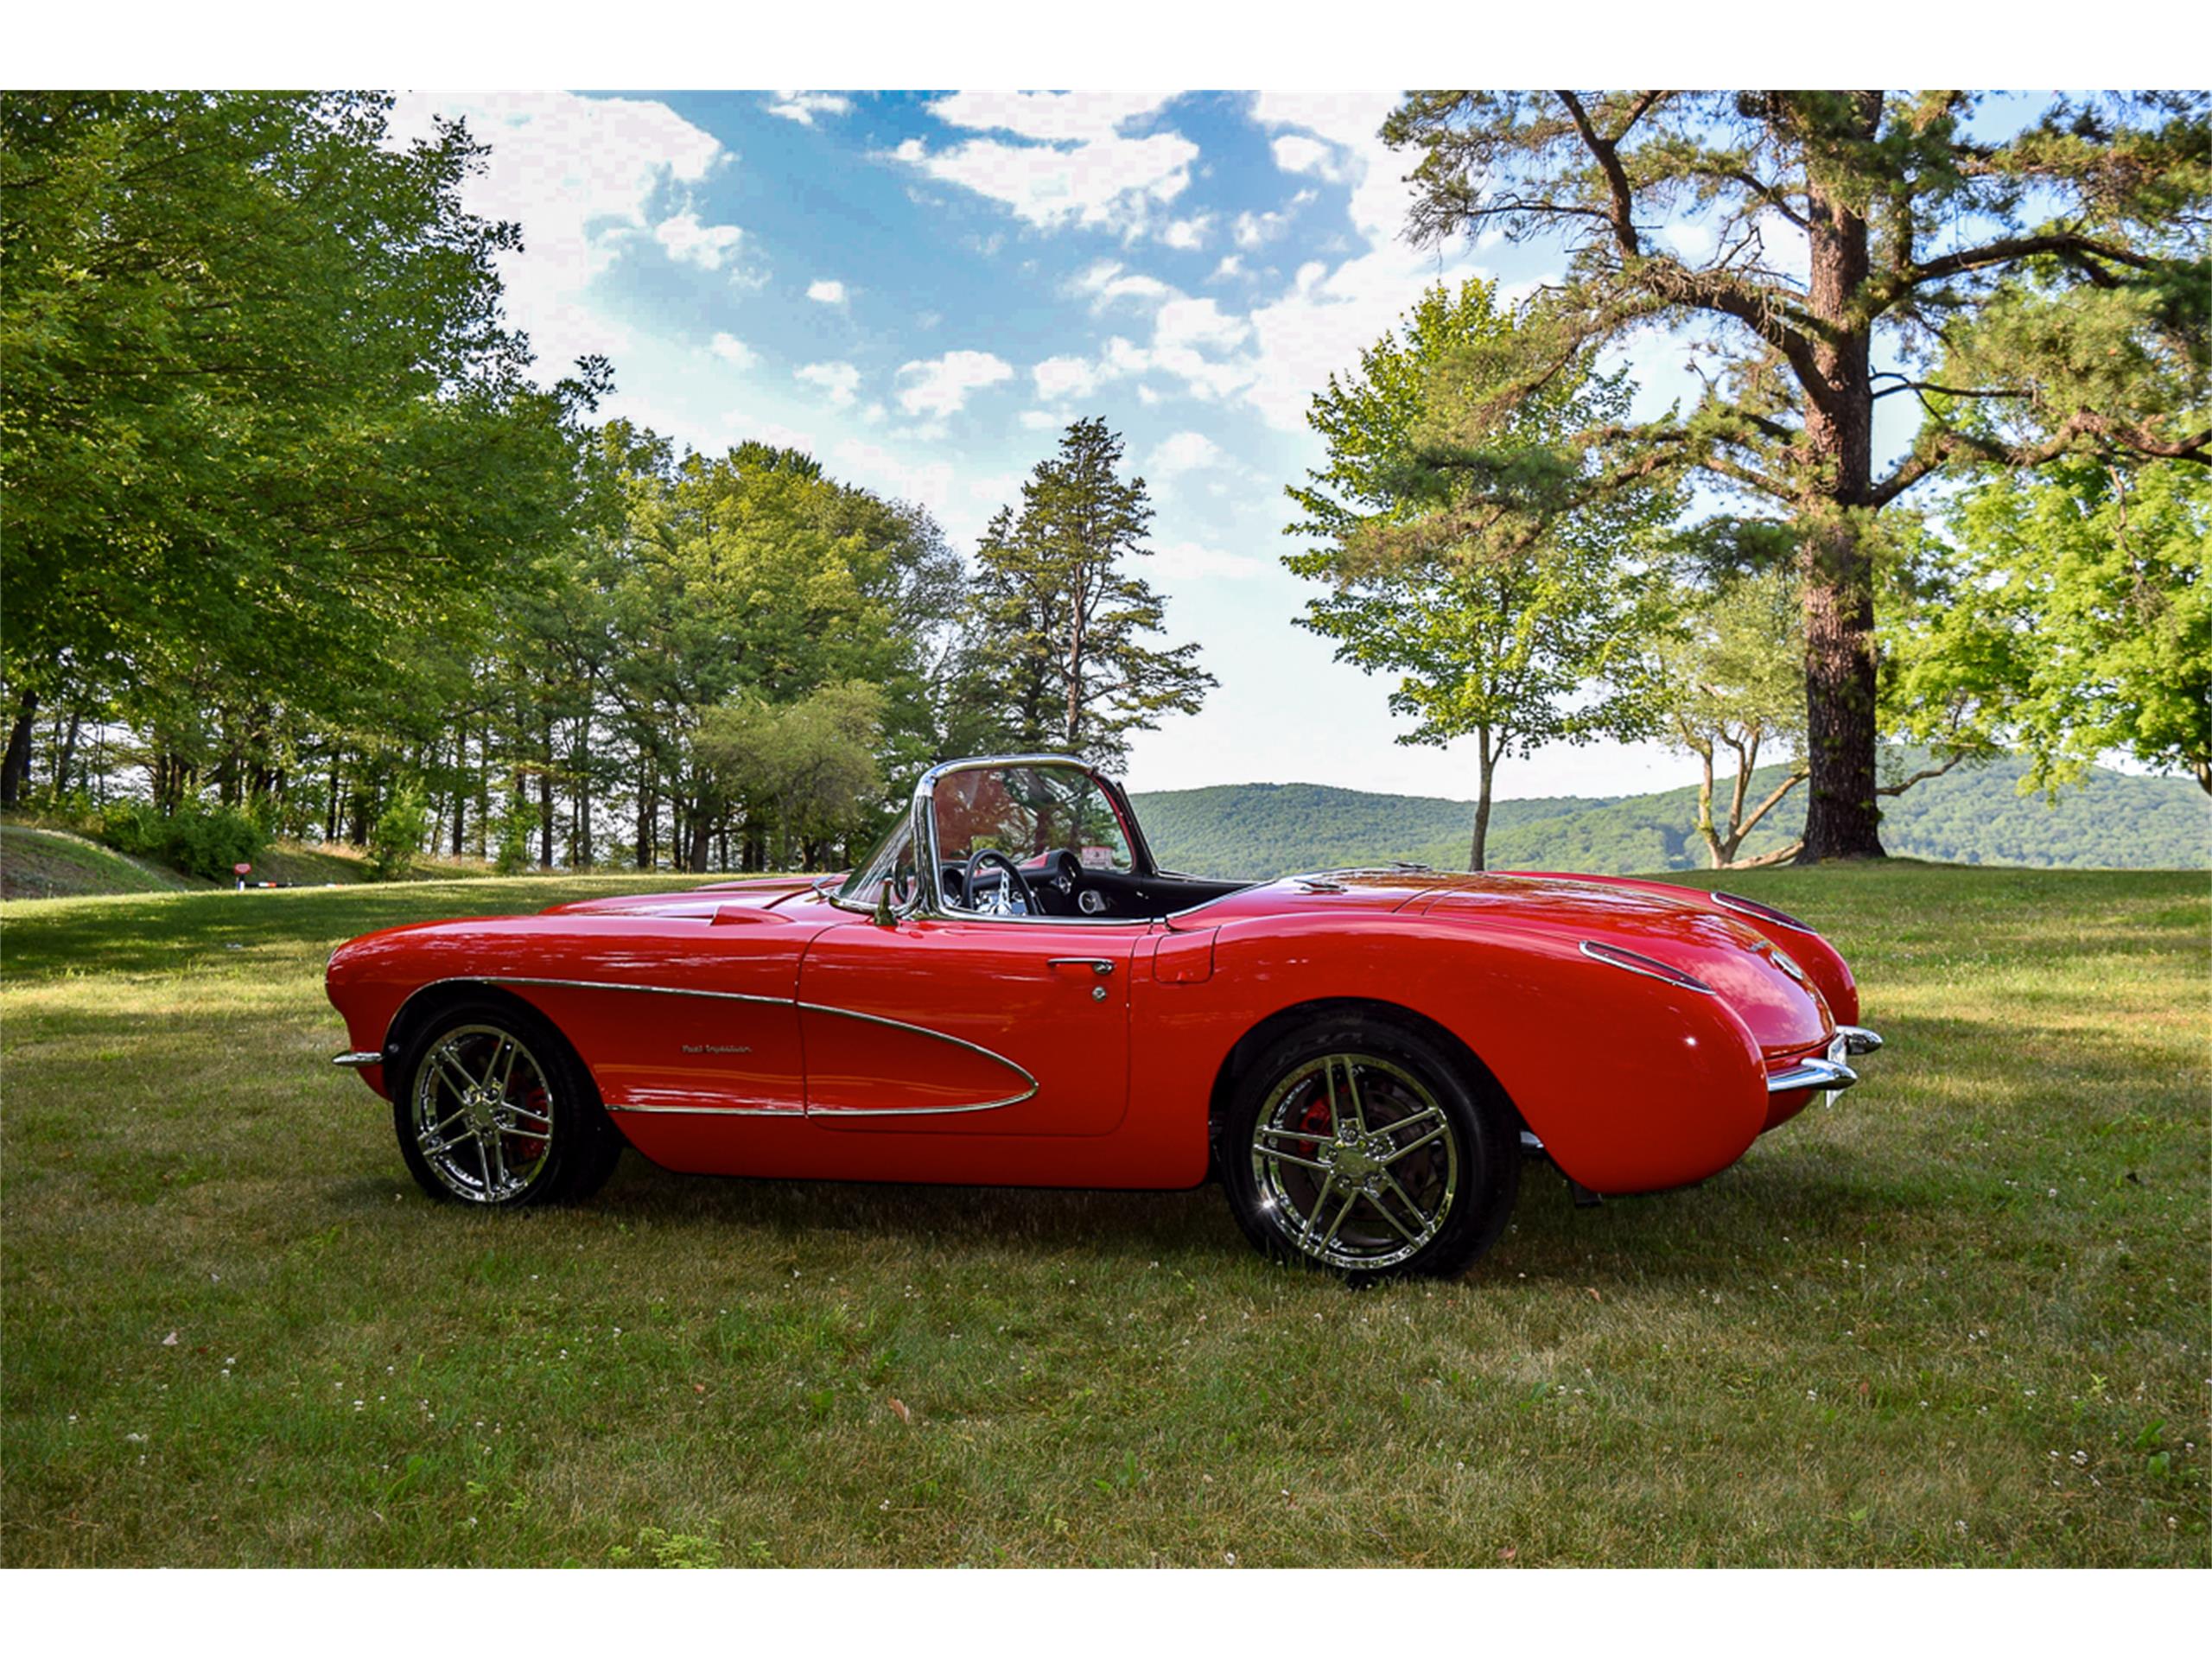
x: 1010, y: 990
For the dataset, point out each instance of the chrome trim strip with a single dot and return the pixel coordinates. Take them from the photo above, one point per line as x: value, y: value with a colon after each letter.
x: 618, y: 985
x: 1742, y: 906
x: 357, y: 1057
x: 1590, y: 948
x: 943, y: 1037
x: 1811, y: 1074
x: 797, y: 1116
x: 1857, y: 1040
x: 772, y: 1002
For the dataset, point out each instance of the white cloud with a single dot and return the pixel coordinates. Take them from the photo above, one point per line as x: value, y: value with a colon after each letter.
x: 940, y: 386
x: 583, y: 176
x: 1060, y: 377
x: 1038, y: 420
x: 689, y: 242
x: 840, y: 380
x: 803, y: 107
x: 1232, y: 264
x: 1184, y: 451
x: 1187, y: 234
x: 1296, y: 153
x: 733, y: 351
x: 826, y: 290
x: 1070, y: 162
x: 1191, y: 561
x: 1333, y: 311
x: 1181, y: 322
x: 1257, y: 230
x: 1108, y: 283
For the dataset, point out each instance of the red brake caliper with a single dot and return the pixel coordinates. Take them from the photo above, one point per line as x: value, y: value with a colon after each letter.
x: 1315, y: 1122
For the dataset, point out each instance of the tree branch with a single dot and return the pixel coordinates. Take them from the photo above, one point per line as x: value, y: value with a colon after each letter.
x: 1609, y: 162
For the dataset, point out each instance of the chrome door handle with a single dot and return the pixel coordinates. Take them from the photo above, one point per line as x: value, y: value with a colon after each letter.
x: 1096, y: 964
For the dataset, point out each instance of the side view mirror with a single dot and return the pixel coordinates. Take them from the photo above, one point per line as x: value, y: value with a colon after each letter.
x: 884, y: 916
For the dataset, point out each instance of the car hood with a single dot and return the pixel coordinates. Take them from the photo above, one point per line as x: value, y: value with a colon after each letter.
x: 760, y: 892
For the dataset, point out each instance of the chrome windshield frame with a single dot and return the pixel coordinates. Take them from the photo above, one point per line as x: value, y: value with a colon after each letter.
x: 929, y: 898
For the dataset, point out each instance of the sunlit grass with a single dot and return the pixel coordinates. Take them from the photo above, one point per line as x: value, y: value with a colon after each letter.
x: 1961, y: 1316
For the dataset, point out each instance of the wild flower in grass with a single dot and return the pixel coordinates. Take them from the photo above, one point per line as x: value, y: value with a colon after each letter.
x: 1229, y: 1558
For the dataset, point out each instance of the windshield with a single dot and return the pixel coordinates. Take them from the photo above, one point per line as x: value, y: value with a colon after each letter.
x: 892, y: 860
x: 1027, y: 812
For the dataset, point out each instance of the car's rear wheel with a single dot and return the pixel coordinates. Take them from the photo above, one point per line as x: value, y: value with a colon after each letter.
x: 1356, y: 1145
x: 494, y: 1109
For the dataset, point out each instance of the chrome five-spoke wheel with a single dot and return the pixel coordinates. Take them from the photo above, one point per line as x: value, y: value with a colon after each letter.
x: 1354, y: 1142
x: 1356, y: 1161
x: 493, y: 1108
x: 483, y: 1113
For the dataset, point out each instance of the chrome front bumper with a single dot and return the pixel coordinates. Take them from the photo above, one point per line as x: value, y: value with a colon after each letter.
x: 357, y: 1059
x: 1830, y: 1073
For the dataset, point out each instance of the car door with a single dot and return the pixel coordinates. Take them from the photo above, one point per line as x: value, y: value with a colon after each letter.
x: 969, y: 1024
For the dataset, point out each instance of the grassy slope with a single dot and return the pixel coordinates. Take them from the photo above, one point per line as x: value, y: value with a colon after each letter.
x: 1960, y: 1318
x: 41, y: 863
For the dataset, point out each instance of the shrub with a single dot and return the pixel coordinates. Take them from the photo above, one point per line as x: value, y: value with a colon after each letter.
x: 514, y: 856
x: 199, y: 840
x: 396, y: 838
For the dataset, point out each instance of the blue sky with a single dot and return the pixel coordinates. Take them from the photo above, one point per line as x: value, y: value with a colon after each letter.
x: 921, y: 289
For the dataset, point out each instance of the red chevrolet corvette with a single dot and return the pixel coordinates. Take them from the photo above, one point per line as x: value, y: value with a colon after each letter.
x: 1011, y: 991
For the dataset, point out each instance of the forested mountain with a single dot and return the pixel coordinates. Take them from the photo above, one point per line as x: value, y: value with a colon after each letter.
x: 1968, y: 817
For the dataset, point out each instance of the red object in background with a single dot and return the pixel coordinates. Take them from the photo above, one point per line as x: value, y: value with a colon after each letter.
x: 243, y: 869
x: 762, y: 1028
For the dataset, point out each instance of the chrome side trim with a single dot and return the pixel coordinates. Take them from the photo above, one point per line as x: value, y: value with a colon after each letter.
x: 619, y: 985
x: 715, y: 1111
x: 1811, y: 1074
x: 943, y: 1037
x: 1590, y: 948
x: 357, y: 1059
x: 1744, y: 907
x: 1857, y: 1040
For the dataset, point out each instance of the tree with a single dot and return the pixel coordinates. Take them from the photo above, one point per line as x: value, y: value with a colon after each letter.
x: 2076, y: 618
x: 261, y: 416
x: 1058, y: 623
x: 1514, y: 626
x: 811, y: 764
x: 1733, y: 678
x: 2057, y: 278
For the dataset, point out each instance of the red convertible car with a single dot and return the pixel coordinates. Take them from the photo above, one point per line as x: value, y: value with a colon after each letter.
x: 1011, y: 991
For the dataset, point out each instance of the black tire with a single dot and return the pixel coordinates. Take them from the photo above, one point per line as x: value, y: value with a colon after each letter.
x: 1426, y: 1184
x: 514, y: 1121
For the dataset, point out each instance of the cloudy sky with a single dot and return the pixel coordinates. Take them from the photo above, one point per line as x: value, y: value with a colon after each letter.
x: 922, y: 290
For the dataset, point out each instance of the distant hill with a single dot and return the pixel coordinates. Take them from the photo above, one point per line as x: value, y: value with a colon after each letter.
x: 1972, y: 815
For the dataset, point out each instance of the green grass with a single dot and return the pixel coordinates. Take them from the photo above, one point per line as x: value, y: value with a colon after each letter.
x: 1960, y: 1317
x: 42, y: 863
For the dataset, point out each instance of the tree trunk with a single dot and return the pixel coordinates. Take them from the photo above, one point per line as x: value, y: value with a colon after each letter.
x: 695, y: 858
x: 67, y: 757
x: 16, y: 766
x: 460, y: 786
x: 648, y: 812
x: 1841, y: 817
x: 1476, y: 850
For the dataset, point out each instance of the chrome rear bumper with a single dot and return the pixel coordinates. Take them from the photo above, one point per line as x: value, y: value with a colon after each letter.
x: 1830, y: 1073
x: 357, y: 1059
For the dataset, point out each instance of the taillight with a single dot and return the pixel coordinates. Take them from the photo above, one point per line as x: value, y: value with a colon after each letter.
x: 1636, y: 962
x: 1744, y: 906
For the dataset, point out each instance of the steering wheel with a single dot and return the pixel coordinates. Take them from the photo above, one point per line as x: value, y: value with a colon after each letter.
x: 1004, y: 902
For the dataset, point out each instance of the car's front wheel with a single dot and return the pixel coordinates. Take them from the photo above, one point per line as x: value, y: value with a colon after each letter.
x: 1356, y: 1145
x: 493, y: 1109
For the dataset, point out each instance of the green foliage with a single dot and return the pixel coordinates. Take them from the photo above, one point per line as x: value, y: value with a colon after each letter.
x: 1731, y: 678
x: 252, y: 346
x: 1511, y: 609
x: 2035, y: 294
x: 513, y: 855
x: 812, y: 764
x: 1056, y: 658
x: 2075, y: 619
x: 198, y: 839
x: 396, y: 840
x: 1973, y: 816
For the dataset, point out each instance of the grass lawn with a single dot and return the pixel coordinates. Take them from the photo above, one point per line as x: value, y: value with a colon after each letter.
x: 1961, y: 1316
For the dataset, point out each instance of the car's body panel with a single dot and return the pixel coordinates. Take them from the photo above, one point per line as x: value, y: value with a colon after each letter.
x: 761, y: 1028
